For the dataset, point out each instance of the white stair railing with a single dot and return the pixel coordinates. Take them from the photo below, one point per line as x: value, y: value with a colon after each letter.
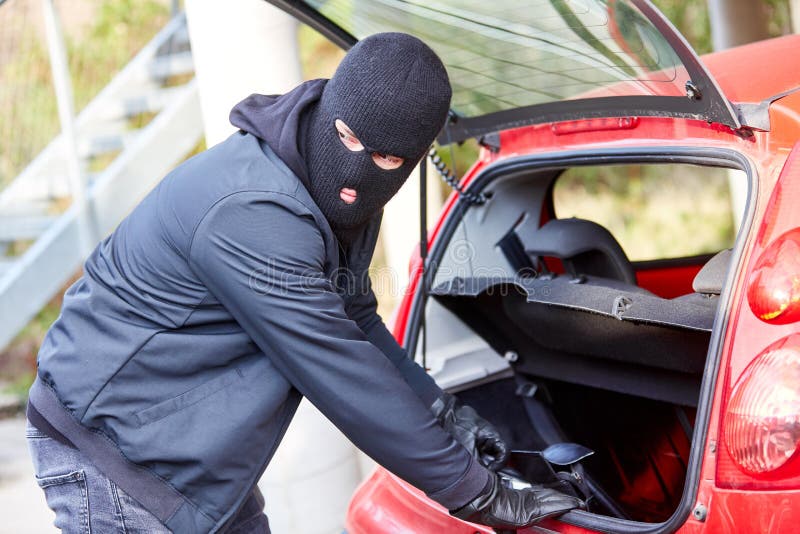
x: 57, y: 240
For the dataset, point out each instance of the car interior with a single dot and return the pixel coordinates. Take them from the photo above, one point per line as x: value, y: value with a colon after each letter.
x: 589, y: 363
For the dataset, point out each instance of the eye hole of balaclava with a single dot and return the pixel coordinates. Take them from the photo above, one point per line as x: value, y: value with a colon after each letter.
x: 393, y: 93
x: 350, y: 140
x: 372, y: 185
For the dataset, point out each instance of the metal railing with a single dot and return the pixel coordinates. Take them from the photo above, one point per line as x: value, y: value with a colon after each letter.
x: 130, y: 74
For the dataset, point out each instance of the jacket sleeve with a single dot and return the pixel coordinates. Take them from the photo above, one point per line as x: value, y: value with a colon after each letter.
x: 262, y: 256
x: 362, y: 307
x: 363, y: 310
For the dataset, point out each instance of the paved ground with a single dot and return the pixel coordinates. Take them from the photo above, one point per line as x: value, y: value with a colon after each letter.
x: 22, y: 506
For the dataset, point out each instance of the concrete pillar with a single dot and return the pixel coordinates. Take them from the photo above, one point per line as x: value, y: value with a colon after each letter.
x: 737, y: 22
x: 734, y: 23
x: 400, y: 228
x: 242, y: 47
x: 312, y: 476
x: 239, y: 47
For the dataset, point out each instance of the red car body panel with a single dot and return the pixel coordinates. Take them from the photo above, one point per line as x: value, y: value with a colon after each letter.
x: 668, y: 282
x: 748, y: 74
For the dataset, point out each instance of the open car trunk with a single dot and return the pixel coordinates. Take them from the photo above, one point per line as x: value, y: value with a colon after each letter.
x: 552, y: 344
x: 540, y: 325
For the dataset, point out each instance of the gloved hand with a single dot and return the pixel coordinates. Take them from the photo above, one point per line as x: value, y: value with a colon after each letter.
x: 472, y: 431
x: 506, y: 508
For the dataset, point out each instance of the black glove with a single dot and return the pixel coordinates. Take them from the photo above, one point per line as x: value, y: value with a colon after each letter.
x: 472, y: 431
x: 501, y: 507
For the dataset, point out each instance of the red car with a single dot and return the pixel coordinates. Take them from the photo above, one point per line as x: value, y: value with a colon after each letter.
x: 615, y: 283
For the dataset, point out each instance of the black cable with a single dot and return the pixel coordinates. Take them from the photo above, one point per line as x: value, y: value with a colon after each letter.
x: 423, y: 252
x: 452, y: 180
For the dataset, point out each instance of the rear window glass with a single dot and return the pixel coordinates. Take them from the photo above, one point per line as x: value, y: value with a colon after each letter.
x: 515, y: 53
x: 656, y: 211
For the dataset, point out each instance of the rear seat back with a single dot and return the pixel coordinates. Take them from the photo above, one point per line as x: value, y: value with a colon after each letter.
x: 584, y: 247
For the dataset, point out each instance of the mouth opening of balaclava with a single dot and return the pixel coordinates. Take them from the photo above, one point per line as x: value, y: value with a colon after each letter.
x: 393, y: 93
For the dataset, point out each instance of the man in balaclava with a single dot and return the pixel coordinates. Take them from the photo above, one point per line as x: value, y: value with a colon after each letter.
x: 181, y: 354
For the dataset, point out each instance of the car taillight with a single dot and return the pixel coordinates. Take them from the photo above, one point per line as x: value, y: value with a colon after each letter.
x: 774, y: 286
x: 760, y: 401
x: 762, y: 424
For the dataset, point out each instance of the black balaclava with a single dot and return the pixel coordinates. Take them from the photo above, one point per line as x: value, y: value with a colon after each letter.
x: 393, y: 92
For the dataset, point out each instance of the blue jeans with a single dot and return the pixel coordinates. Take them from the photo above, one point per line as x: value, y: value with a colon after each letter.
x: 85, y: 501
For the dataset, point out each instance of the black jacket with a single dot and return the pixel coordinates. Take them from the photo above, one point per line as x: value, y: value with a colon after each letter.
x: 180, y: 356
x: 278, y: 121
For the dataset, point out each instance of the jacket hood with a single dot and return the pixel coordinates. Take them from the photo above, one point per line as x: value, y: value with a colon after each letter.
x: 278, y: 121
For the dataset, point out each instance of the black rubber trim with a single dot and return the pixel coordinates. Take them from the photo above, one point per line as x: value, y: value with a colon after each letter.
x: 461, y: 128
x: 310, y: 16
x: 714, y: 157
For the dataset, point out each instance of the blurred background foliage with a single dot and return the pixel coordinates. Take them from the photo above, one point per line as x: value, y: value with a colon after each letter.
x: 101, y: 37
x: 692, y: 20
x: 654, y: 211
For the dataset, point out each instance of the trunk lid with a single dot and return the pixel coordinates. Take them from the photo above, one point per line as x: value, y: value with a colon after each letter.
x: 514, y: 63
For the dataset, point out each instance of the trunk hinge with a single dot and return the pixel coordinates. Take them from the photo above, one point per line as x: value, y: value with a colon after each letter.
x: 755, y: 115
x: 490, y: 141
